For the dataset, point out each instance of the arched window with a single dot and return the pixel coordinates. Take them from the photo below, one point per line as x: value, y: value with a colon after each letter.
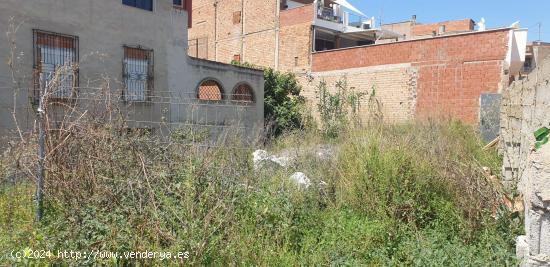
x: 243, y: 93
x: 210, y: 90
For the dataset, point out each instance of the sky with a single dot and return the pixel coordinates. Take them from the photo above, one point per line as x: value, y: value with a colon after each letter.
x: 496, y: 13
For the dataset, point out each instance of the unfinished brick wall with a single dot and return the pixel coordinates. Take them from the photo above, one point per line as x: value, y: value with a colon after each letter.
x: 260, y: 24
x: 394, y: 86
x: 228, y: 34
x: 295, y: 39
x: 244, y: 29
x: 202, y: 30
x: 453, y: 71
x: 450, y: 26
x: 259, y: 48
x: 254, y: 31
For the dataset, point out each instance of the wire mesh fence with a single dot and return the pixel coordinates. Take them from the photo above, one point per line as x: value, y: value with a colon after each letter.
x: 162, y: 113
x: 58, y: 136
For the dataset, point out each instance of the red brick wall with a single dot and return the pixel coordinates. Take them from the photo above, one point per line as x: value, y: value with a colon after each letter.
x: 450, y: 26
x: 295, y: 16
x: 295, y: 38
x: 452, y: 70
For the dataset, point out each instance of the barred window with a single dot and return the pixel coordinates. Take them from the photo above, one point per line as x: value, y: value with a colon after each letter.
x: 56, y: 63
x: 137, y: 73
x: 210, y: 90
x: 243, y: 93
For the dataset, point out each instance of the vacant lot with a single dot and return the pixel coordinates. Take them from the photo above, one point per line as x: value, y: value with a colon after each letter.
x: 382, y: 195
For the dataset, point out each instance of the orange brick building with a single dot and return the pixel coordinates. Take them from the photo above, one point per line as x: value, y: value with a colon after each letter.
x: 272, y: 33
x: 417, y: 70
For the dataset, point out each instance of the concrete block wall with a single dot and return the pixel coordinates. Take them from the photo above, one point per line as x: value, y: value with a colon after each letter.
x: 526, y: 108
x: 452, y: 70
x: 394, y: 86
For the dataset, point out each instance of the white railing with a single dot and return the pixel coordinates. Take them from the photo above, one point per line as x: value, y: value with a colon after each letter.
x: 336, y: 14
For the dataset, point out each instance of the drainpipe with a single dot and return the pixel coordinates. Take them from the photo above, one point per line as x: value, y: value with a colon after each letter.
x: 243, y: 19
x: 312, y: 43
x: 313, y: 37
x: 216, y: 30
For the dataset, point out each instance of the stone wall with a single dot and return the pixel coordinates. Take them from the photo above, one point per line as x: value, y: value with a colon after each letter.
x: 525, y: 109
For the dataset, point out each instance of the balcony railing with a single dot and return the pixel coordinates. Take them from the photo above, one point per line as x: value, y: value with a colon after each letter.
x: 327, y: 13
x: 339, y: 16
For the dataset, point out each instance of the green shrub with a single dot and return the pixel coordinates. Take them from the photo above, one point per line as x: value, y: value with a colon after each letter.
x: 338, y: 108
x: 283, y: 104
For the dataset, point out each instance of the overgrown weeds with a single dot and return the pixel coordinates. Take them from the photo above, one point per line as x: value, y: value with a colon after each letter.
x: 410, y: 194
x: 395, y: 195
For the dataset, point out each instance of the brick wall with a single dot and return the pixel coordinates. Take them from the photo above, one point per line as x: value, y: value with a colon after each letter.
x: 295, y: 16
x: 450, y: 26
x: 259, y: 48
x: 452, y: 70
x: 394, y: 87
x: 202, y: 29
x: 260, y: 15
x: 237, y: 28
x: 295, y: 39
x: 254, y: 37
x: 229, y: 34
x: 260, y: 23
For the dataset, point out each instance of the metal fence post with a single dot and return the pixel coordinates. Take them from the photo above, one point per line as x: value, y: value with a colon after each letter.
x: 41, y: 150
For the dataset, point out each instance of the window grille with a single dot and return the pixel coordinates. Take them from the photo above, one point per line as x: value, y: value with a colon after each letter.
x: 138, y: 73
x: 210, y: 90
x: 56, y: 63
x: 243, y: 94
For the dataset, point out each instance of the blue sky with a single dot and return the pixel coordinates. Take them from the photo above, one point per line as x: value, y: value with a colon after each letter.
x: 496, y: 13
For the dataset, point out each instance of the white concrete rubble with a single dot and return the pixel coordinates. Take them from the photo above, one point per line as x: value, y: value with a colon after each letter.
x: 301, y: 179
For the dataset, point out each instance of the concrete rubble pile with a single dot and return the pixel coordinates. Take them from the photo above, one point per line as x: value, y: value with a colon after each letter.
x: 287, y: 160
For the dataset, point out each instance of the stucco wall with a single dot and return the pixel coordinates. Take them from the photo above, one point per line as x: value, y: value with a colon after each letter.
x: 103, y: 27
